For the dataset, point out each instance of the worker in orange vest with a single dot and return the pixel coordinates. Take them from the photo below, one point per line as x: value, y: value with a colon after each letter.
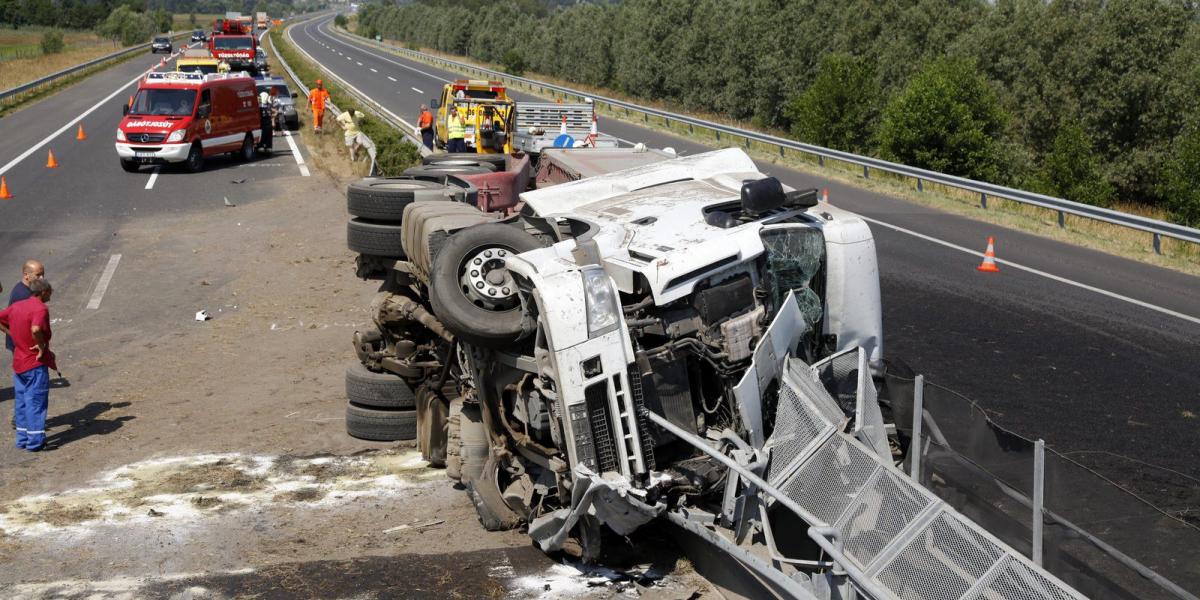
x: 425, y: 126
x: 317, y: 97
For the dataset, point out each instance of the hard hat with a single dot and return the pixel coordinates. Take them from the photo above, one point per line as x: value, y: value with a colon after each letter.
x: 319, y: 82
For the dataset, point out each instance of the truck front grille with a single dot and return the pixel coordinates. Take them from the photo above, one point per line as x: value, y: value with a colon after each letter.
x: 596, y: 399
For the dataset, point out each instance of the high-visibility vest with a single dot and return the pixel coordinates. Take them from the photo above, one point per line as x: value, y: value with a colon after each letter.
x: 455, y: 128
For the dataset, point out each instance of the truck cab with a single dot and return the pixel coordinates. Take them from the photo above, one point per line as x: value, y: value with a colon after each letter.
x: 487, y: 112
x: 237, y: 50
x: 198, y: 60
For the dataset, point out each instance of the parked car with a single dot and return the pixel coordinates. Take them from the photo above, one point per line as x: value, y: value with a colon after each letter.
x: 188, y: 117
x: 161, y: 44
x: 286, y: 97
x: 199, y: 36
x: 260, y: 61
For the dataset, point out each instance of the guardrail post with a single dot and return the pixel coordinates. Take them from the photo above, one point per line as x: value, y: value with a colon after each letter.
x: 691, y: 129
x: 920, y: 185
x: 1157, y: 244
x: 866, y: 172
x: 1039, y: 491
x: 718, y: 132
x: 1062, y: 219
x: 820, y: 160
x: 915, y: 447
x: 747, y: 143
x: 982, y: 200
x: 782, y: 154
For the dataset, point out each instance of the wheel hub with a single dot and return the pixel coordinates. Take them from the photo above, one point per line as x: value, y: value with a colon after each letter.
x: 486, y: 280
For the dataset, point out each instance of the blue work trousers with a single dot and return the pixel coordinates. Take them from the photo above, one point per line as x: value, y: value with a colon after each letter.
x: 33, y: 398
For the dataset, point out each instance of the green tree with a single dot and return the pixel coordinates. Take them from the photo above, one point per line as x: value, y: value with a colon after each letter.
x: 1073, y: 170
x: 52, y: 42
x: 126, y: 26
x: 1181, y: 181
x: 512, y: 62
x: 946, y: 119
x: 840, y: 108
x: 192, y: 19
x: 341, y: 21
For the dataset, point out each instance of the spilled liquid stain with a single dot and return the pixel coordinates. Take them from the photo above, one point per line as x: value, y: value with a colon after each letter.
x: 188, y: 489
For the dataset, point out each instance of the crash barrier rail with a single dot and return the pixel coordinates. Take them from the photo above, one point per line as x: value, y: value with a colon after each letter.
x: 1089, y: 531
x: 404, y: 127
x: 1158, y: 229
x: 51, y: 78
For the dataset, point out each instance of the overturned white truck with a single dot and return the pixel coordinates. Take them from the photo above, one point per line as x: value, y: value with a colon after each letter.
x: 688, y: 340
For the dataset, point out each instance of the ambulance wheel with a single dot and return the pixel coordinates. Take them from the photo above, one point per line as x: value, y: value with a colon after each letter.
x: 470, y: 288
x: 129, y: 166
x: 195, y: 159
x: 246, y: 154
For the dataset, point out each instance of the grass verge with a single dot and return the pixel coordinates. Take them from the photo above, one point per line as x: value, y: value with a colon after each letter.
x: 393, y: 152
x: 1079, y: 231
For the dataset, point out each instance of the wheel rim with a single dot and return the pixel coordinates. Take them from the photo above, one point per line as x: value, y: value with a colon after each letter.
x: 400, y: 186
x: 194, y: 157
x: 486, y: 281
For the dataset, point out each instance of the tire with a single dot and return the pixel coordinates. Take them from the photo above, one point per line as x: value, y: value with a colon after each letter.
x: 365, y: 387
x: 477, y: 169
x: 494, y: 514
x: 465, y: 314
x: 432, y: 420
x: 383, y: 198
x: 380, y: 425
x: 473, y: 448
x: 130, y: 166
x: 466, y: 158
x: 294, y: 124
x: 454, y: 441
x: 246, y: 154
x: 375, y: 239
x: 195, y: 159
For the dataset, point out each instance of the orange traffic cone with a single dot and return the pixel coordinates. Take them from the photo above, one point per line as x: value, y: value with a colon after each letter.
x: 989, y: 258
x: 50, y: 162
x: 4, y: 195
x: 81, y: 135
x: 825, y: 195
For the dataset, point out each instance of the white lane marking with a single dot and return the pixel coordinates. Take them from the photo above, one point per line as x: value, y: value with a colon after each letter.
x: 380, y: 57
x: 153, y: 178
x: 392, y: 78
x: 105, y: 279
x: 358, y: 63
x: 417, y: 91
x: 296, y: 153
x: 373, y: 70
x: 12, y: 163
x: 1051, y: 276
x: 348, y: 58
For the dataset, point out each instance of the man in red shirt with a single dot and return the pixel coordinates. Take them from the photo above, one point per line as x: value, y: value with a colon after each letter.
x: 28, y: 323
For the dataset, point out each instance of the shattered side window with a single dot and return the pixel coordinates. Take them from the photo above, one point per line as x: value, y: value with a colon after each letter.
x: 794, y: 256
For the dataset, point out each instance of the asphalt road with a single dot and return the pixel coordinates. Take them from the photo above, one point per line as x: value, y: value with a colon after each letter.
x: 69, y: 217
x: 1086, y: 350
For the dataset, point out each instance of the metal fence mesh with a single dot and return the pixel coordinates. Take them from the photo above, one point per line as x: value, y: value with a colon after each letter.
x: 942, y: 563
x: 884, y: 509
x: 797, y: 425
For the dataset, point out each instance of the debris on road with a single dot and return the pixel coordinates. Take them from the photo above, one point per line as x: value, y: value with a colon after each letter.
x: 202, y: 315
x: 415, y: 526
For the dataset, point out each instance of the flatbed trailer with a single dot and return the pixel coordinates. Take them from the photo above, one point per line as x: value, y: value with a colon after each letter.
x: 540, y: 125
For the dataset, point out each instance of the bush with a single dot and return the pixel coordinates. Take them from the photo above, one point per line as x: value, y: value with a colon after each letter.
x: 341, y: 21
x: 840, y: 108
x: 946, y: 119
x: 1072, y: 169
x: 127, y: 26
x: 52, y: 42
x: 1181, y: 181
x: 513, y: 63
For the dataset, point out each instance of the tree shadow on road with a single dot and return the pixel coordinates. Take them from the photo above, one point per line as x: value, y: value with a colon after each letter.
x: 84, y: 422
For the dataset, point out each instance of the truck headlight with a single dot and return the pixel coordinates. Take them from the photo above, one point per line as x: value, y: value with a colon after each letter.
x: 120, y: 135
x: 600, y: 300
x: 176, y: 136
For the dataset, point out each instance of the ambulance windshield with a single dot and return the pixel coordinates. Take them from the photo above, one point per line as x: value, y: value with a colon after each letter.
x: 169, y: 103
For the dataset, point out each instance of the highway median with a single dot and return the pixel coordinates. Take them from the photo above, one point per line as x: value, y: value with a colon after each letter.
x: 394, y: 153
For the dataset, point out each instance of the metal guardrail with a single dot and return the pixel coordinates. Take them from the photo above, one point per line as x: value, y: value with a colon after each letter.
x: 404, y: 127
x: 51, y: 78
x: 1158, y: 229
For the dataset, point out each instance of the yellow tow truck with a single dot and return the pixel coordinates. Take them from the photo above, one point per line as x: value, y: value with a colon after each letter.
x: 488, y: 115
x: 197, y: 60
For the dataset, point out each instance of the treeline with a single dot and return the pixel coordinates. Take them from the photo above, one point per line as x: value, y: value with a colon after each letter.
x: 92, y: 14
x: 1092, y: 100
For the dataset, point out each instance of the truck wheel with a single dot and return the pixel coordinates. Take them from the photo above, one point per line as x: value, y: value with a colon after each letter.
x: 375, y: 239
x: 490, y: 507
x: 475, y: 169
x: 471, y: 290
x: 466, y: 158
x: 383, y: 198
x: 380, y: 425
x: 195, y: 158
x: 129, y: 166
x: 246, y: 154
x: 365, y: 387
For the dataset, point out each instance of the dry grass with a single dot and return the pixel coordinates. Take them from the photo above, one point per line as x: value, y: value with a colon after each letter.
x: 1111, y: 239
x: 182, y: 22
x: 82, y: 46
